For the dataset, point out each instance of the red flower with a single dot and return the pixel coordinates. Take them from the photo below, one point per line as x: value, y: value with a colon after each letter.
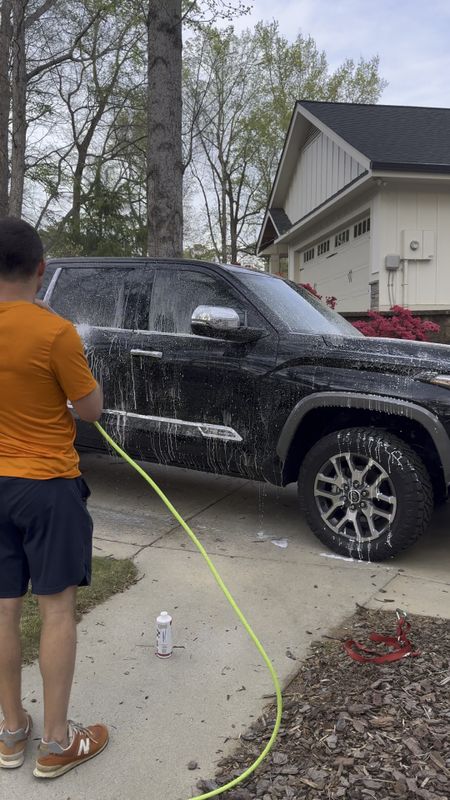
x: 401, y: 325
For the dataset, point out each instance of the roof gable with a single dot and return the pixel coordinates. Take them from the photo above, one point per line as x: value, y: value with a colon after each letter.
x: 377, y: 137
x: 392, y: 137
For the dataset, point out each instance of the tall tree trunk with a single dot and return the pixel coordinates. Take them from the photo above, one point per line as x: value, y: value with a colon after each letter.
x: 224, y: 221
x: 76, y: 196
x: 5, y: 101
x: 233, y: 238
x: 19, y: 106
x: 164, y: 153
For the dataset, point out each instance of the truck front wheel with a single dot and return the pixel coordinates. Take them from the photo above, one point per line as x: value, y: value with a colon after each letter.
x: 365, y: 492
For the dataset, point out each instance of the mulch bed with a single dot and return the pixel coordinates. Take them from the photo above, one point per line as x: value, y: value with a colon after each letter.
x: 356, y: 731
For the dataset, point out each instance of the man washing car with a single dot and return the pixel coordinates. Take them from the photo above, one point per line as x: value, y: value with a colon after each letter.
x: 45, y: 528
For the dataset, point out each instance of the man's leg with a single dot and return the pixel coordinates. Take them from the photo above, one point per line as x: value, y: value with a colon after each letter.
x: 11, y: 664
x: 57, y: 660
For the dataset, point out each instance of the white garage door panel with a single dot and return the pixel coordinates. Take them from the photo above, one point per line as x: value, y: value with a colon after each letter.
x: 344, y: 275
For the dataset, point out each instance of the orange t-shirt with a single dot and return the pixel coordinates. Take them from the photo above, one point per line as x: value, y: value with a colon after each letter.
x: 42, y: 365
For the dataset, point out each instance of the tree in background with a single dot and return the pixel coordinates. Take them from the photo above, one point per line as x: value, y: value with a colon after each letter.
x: 87, y: 122
x: 35, y: 38
x: 164, y: 109
x: 250, y: 83
x: 93, y: 94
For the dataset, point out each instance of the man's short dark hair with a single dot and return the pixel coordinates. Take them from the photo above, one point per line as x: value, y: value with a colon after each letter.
x: 21, y: 249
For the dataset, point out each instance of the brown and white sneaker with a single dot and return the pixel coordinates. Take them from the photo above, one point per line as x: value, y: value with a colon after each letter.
x: 84, y: 744
x: 13, y: 745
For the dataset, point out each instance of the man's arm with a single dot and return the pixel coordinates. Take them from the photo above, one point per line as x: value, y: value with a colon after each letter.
x: 89, y: 408
x: 70, y: 367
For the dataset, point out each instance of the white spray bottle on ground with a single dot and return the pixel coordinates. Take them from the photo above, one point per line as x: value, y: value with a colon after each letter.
x: 164, y: 643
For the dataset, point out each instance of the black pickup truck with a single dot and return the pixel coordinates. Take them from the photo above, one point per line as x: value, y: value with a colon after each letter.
x: 229, y: 370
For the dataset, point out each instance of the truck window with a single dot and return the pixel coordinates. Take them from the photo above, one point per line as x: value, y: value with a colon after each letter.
x: 105, y: 297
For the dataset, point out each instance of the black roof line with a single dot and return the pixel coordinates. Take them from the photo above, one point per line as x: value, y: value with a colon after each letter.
x: 371, y: 105
x: 409, y: 166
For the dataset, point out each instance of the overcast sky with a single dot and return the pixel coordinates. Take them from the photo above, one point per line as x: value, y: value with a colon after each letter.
x: 412, y: 38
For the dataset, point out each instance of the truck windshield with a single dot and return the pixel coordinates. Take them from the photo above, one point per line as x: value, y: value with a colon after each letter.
x: 300, y: 311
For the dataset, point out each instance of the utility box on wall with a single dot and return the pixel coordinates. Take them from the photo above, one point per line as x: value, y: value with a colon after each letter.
x: 392, y: 262
x: 418, y: 245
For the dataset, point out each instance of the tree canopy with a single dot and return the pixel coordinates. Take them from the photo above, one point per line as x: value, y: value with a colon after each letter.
x: 114, y: 134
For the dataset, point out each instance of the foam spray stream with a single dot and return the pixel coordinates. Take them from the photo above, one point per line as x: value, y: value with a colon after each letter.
x: 234, y: 606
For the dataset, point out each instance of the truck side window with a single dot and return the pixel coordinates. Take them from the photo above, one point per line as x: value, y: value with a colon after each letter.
x: 99, y: 297
x: 137, y: 293
x: 178, y: 292
x: 88, y: 296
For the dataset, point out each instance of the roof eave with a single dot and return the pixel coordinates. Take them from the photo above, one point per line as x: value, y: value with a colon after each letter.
x: 390, y: 166
x: 361, y: 182
x: 261, y: 232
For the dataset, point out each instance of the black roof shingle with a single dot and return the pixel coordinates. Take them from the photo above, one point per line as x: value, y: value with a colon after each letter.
x: 280, y: 220
x: 400, y: 137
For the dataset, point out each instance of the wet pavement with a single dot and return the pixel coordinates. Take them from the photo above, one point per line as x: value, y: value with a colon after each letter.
x: 193, y: 706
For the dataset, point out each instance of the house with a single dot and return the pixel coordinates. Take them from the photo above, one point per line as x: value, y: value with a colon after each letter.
x: 360, y: 205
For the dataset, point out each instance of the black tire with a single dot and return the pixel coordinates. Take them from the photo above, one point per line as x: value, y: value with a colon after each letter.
x: 385, y: 513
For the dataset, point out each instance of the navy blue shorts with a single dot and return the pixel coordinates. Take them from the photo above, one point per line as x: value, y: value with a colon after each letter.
x: 45, y: 535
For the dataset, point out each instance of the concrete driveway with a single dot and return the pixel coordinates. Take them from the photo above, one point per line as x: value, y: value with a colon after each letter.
x: 193, y: 706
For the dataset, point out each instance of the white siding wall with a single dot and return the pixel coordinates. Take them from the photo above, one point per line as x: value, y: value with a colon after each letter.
x: 322, y: 170
x: 416, y: 209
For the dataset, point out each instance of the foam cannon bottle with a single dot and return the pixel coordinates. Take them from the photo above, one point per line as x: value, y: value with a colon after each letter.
x: 164, y: 645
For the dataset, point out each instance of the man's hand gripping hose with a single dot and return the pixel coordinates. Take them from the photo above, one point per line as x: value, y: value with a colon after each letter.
x: 234, y: 606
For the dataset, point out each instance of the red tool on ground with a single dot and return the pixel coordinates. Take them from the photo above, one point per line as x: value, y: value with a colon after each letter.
x: 399, y: 645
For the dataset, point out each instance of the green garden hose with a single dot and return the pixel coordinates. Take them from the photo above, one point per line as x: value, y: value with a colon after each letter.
x: 234, y: 606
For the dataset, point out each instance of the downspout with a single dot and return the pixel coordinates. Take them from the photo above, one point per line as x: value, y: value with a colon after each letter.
x: 405, y: 283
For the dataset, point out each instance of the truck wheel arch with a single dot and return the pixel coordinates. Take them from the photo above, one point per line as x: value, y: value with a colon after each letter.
x: 345, y: 401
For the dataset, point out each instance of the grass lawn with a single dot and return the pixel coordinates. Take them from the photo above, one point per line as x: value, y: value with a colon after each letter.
x: 109, y: 576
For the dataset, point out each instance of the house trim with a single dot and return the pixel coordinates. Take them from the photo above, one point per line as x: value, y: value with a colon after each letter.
x: 301, y: 114
x: 363, y: 180
x: 352, y: 151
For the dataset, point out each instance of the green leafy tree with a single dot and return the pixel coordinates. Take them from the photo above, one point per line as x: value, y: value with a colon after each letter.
x: 249, y: 85
x: 107, y: 227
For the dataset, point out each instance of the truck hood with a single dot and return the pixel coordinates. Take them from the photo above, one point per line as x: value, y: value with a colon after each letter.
x: 399, y: 356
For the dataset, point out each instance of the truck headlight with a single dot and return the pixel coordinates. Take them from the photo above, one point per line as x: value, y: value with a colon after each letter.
x: 440, y: 380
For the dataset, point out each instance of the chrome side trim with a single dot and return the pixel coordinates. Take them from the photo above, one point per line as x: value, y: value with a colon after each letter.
x: 205, y: 429
x: 148, y: 353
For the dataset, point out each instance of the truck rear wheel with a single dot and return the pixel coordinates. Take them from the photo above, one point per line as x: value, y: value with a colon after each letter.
x: 366, y: 493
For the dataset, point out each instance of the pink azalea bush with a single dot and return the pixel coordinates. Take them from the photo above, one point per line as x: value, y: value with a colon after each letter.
x: 330, y: 301
x: 401, y: 325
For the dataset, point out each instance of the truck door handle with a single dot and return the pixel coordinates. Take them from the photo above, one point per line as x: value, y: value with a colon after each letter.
x: 147, y: 353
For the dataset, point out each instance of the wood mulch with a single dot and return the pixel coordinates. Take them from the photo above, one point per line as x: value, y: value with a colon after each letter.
x: 355, y: 731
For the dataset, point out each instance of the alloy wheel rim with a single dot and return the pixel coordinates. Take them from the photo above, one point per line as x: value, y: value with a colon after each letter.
x: 355, y: 497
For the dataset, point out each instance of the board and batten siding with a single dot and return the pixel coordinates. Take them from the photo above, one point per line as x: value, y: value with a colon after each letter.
x: 323, y: 169
x: 416, y: 209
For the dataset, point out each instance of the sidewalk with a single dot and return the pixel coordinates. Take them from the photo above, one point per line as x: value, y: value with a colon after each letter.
x: 163, y: 714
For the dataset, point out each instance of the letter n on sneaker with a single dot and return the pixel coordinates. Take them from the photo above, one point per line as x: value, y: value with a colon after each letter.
x: 84, y: 744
